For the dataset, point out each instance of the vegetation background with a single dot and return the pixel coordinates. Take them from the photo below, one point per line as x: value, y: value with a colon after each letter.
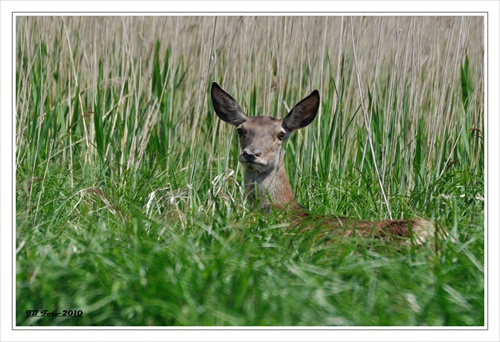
x: 129, y: 203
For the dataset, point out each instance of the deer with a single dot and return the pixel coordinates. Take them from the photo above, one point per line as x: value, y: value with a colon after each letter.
x: 266, y: 181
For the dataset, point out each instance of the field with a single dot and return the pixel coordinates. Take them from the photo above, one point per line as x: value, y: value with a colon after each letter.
x: 129, y: 204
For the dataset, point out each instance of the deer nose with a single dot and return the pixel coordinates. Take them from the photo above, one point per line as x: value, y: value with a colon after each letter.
x: 251, y: 153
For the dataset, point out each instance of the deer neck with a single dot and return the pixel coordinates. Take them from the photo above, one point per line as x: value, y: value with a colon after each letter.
x: 270, y: 188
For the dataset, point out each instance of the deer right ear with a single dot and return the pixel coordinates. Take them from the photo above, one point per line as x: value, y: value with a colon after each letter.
x: 226, y: 107
x: 303, y: 113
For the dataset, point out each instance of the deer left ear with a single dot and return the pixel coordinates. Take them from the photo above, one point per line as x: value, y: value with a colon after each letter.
x: 226, y: 107
x: 303, y: 113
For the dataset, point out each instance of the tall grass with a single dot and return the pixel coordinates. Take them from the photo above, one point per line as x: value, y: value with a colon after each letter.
x: 128, y: 198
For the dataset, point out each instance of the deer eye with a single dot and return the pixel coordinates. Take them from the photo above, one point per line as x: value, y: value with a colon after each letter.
x: 240, y: 131
x: 281, y: 136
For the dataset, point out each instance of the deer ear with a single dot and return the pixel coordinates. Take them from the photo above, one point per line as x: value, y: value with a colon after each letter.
x: 303, y: 113
x: 226, y: 107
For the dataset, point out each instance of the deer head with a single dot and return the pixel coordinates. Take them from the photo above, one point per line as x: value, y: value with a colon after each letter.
x: 261, y: 140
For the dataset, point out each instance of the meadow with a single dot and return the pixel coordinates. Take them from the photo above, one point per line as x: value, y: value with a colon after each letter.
x: 128, y: 195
